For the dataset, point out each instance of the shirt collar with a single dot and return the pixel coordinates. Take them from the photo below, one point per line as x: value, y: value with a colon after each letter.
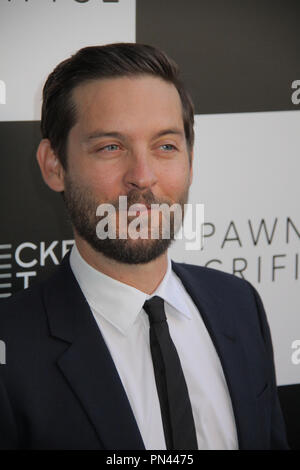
x: 117, y: 302
x: 172, y: 291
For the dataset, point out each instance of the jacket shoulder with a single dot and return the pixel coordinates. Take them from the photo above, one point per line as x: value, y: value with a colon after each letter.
x: 22, y: 310
x: 212, y: 279
x: 22, y: 299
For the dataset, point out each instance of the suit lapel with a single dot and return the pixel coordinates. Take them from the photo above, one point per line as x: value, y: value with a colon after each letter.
x: 87, y: 364
x: 219, y: 320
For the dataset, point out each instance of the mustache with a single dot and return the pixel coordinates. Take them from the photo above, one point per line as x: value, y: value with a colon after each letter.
x: 135, y: 196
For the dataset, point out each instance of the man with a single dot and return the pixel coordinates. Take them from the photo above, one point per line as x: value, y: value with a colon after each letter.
x: 122, y: 348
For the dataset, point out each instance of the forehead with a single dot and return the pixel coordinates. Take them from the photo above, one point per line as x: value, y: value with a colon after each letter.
x: 128, y: 101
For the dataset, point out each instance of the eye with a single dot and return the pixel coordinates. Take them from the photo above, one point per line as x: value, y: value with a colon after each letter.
x: 110, y: 147
x: 168, y: 147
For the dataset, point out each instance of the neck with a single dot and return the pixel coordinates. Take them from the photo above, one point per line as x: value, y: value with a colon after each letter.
x: 144, y: 277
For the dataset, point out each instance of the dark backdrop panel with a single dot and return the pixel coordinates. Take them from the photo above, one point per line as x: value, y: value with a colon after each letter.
x: 236, y: 56
x: 31, y: 212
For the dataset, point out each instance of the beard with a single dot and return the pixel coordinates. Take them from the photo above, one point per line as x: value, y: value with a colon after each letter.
x: 82, y: 205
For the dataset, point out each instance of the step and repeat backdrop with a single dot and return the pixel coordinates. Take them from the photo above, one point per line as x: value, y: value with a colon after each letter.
x: 240, y: 61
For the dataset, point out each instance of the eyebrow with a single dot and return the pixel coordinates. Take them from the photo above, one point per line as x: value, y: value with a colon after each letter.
x: 118, y: 135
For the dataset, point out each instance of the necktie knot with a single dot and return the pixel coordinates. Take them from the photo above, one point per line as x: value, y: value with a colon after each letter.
x: 154, y: 308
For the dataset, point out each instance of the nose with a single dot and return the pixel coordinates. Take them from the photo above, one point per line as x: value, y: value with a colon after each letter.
x: 140, y: 172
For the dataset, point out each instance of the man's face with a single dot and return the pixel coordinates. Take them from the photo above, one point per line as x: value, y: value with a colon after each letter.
x: 128, y: 141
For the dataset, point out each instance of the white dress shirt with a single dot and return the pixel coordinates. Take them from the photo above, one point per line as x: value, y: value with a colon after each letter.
x: 118, y: 311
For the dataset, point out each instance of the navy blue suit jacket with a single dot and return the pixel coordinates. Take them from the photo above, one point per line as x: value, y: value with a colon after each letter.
x: 59, y: 388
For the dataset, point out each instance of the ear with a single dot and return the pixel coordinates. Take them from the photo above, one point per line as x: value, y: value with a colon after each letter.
x: 50, y: 166
x: 191, y: 165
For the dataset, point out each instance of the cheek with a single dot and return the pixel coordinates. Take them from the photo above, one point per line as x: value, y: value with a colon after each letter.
x: 102, y: 180
x: 176, y: 179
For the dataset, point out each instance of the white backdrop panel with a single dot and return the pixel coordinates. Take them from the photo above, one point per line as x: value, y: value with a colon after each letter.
x: 246, y: 171
x: 37, y: 35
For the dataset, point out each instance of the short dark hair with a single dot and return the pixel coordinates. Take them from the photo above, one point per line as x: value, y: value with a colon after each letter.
x: 96, y: 62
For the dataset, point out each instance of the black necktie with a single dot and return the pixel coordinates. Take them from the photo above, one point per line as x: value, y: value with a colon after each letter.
x: 175, y: 405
